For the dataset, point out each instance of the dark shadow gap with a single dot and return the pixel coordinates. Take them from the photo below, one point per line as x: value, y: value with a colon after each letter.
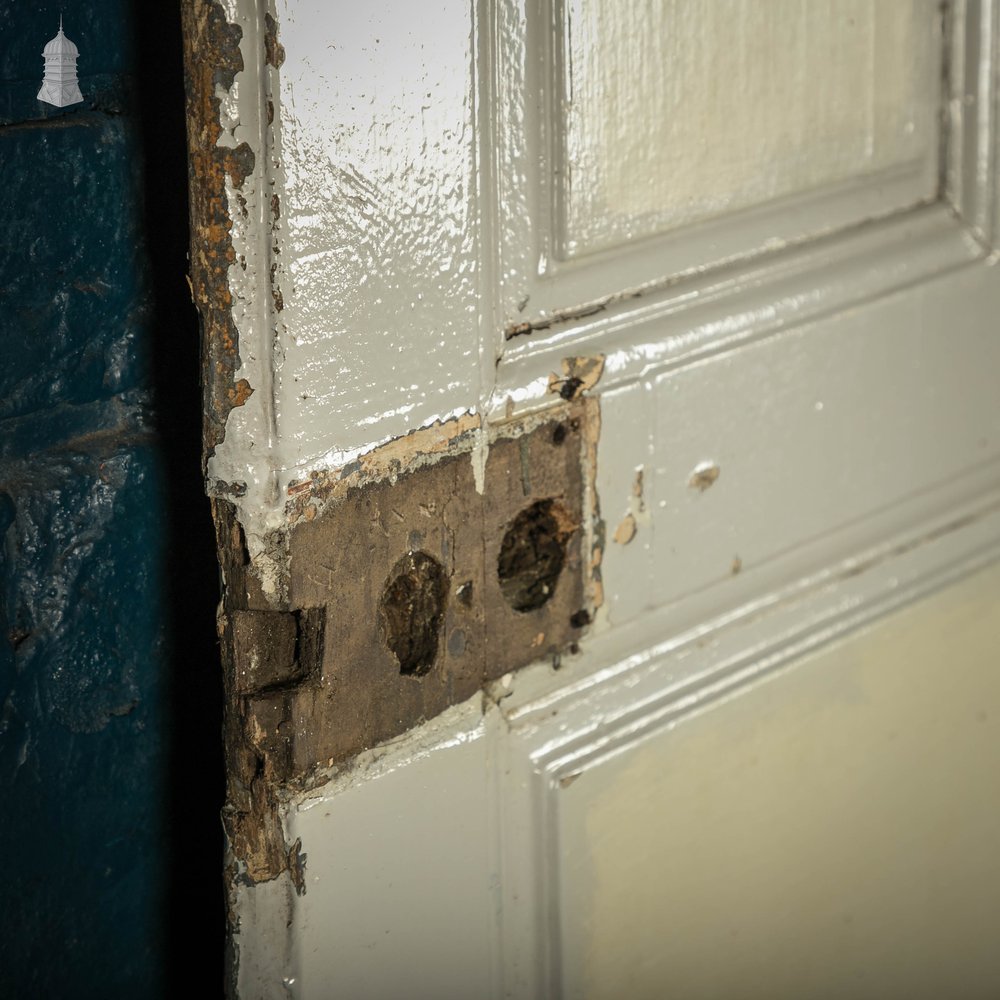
x: 195, y: 912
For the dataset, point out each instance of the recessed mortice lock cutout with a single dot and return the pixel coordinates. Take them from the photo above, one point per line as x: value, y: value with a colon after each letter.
x: 466, y: 584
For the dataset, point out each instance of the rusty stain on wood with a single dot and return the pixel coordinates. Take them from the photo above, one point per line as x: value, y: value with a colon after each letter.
x: 240, y: 392
x: 250, y: 817
x: 212, y: 58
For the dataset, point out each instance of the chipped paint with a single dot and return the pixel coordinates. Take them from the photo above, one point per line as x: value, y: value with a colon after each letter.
x: 239, y: 393
x: 625, y: 531
x: 274, y: 51
x: 234, y: 151
x: 216, y: 167
x: 365, y: 371
x: 637, y: 512
x: 637, y: 490
x: 579, y: 375
x: 421, y: 447
x: 347, y: 557
x: 480, y: 453
x: 592, y: 505
x: 563, y: 316
x: 231, y: 151
x: 704, y: 476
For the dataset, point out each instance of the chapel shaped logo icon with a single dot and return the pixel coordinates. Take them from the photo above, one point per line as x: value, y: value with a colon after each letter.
x: 60, y: 87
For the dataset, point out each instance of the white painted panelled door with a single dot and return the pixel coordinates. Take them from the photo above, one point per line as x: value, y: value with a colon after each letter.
x: 769, y: 766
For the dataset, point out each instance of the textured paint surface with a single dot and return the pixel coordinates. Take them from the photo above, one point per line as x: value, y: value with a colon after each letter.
x: 829, y: 832
x: 725, y: 105
x: 353, y: 265
x: 87, y: 667
x: 379, y: 234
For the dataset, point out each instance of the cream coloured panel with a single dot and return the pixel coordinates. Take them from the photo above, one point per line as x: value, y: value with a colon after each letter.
x: 829, y: 831
x: 679, y: 111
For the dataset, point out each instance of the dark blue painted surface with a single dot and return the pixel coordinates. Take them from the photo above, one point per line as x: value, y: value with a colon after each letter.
x: 109, y: 747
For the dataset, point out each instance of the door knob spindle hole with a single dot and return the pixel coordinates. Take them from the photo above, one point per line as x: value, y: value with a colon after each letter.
x: 412, y: 609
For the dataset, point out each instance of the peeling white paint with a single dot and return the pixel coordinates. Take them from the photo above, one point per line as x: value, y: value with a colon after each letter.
x: 243, y: 464
x: 377, y: 275
x: 337, y: 459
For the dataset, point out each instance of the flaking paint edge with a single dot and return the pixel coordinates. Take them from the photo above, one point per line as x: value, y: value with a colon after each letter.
x: 237, y: 125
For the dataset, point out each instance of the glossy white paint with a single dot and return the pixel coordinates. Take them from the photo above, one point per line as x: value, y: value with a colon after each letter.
x: 665, y: 676
x: 838, y: 376
x: 380, y: 236
x: 472, y: 825
x: 361, y: 220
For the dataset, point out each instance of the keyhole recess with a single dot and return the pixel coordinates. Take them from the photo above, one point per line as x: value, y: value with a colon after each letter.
x: 532, y: 555
x: 412, y: 609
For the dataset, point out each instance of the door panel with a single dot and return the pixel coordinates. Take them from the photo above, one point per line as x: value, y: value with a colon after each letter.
x: 826, y: 832
x: 757, y: 240
x: 673, y: 124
